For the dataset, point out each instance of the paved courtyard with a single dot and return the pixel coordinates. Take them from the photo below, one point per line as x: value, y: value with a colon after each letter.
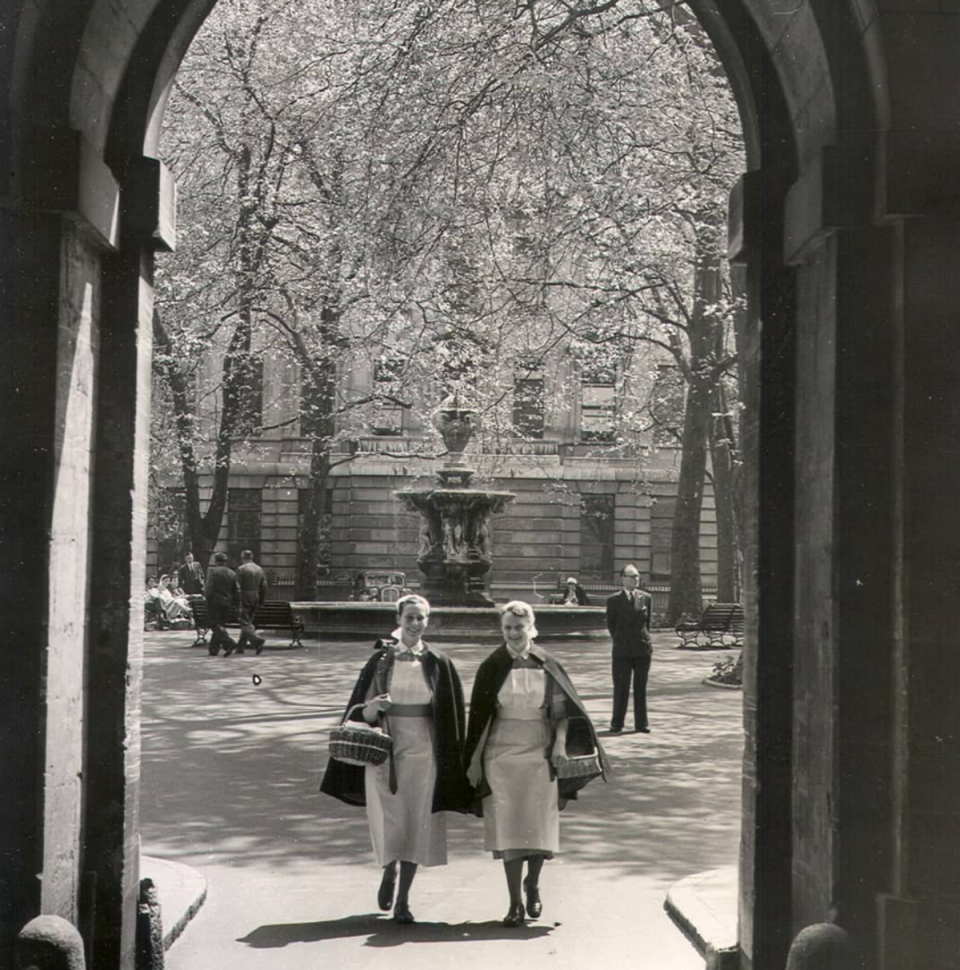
x: 229, y: 787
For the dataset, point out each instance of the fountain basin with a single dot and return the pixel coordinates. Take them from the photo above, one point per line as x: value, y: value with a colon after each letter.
x: 468, y: 624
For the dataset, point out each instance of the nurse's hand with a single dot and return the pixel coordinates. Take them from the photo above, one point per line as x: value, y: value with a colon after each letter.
x: 474, y: 775
x: 559, y: 754
x: 375, y: 707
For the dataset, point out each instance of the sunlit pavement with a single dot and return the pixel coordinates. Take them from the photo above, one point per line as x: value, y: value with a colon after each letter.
x: 229, y: 787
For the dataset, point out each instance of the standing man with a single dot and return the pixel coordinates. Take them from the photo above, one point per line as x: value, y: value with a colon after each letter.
x: 252, y: 585
x: 190, y: 576
x: 628, y: 620
x: 220, y: 591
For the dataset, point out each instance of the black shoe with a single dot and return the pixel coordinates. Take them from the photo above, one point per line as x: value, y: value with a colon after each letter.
x: 258, y: 646
x: 229, y: 649
x: 515, y: 916
x: 644, y: 730
x: 614, y: 730
x: 534, y: 903
x: 385, y: 893
x: 402, y: 914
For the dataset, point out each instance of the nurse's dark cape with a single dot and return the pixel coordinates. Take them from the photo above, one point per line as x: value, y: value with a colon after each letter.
x: 451, y: 793
x: 581, y: 736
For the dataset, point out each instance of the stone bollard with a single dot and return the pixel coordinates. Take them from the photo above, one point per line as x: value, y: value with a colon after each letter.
x: 822, y: 946
x: 149, y: 928
x: 49, y: 943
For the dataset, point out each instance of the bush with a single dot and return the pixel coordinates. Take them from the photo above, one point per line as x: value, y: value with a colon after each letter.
x: 728, y: 671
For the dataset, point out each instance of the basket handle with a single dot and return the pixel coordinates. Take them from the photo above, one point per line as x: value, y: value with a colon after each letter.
x: 346, y: 716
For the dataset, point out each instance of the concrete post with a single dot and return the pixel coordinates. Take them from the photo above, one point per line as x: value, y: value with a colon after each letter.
x: 49, y: 943
x: 822, y: 946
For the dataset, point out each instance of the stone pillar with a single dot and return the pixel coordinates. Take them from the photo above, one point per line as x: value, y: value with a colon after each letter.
x: 52, y: 237
x: 111, y: 823
x: 766, y: 344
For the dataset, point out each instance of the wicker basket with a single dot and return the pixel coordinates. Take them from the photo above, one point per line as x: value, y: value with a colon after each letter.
x: 580, y: 766
x: 354, y: 743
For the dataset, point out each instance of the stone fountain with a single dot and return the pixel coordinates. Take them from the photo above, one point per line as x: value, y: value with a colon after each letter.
x: 455, y: 547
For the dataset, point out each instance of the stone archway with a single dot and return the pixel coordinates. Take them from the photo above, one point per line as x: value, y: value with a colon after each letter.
x: 847, y: 228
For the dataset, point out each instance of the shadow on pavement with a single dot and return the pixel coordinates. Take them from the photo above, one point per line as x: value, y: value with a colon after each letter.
x: 231, y: 767
x: 384, y: 932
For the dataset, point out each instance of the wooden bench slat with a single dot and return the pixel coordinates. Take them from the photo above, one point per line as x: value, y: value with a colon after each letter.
x: 717, y: 622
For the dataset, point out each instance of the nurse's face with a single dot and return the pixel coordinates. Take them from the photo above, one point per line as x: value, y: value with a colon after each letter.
x: 413, y: 621
x: 516, y: 630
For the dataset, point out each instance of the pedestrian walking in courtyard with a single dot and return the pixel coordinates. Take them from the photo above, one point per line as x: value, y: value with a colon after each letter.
x: 190, y: 576
x: 252, y: 584
x: 220, y: 591
x: 527, y: 729
x: 628, y: 620
x: 413, y: 692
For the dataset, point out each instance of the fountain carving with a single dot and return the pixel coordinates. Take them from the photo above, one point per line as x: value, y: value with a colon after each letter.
x: 455, y: 548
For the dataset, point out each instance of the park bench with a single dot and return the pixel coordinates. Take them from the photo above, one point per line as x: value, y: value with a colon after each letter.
x: 273, y: 615
x: 720, y: 625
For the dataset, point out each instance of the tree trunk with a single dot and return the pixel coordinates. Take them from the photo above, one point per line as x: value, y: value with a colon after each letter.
x: 685, y: 590
x: 318, y: 402
x: 203, y: 528
x: 686, y: 594
x: 725, y: 476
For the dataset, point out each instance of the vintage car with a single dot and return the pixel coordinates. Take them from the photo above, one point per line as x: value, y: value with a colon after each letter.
x: 379, y: 586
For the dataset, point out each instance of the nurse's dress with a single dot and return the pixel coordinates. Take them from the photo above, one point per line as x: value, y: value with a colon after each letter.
x: 521, y: 814
x: 403, y: 826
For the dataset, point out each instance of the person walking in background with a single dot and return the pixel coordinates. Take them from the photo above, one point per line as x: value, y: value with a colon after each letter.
x: 413, y: 691
x: 526, y: 720
x: 252, y: 584
x: 190, y: 576
x: 221, y: 593
x: 628, y: 620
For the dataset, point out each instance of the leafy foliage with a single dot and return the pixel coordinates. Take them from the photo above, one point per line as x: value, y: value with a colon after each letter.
x: 478, y: 191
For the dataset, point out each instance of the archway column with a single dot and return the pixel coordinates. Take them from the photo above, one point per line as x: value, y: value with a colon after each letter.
x: 119, y: 514
x: 54, y: 232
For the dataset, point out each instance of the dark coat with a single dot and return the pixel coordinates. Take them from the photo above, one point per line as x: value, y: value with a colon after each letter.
x: 581, y: 736
x: 221, y: 586
x: 252, y: 583
x: 629, y: 624
x: 579, y: 594
x: 451, y: 793
x: 190, y: 578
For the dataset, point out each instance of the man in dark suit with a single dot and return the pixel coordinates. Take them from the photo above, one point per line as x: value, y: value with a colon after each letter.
x: 190, y: 576
x: 252, y: 584
x: 221, y: 593
x: 628, y: 620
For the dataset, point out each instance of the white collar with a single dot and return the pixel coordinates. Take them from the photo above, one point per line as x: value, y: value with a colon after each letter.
x: 523, y: 654
x: 418, y: 649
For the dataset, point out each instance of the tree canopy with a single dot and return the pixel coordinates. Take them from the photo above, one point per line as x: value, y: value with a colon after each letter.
x: 470, y: 189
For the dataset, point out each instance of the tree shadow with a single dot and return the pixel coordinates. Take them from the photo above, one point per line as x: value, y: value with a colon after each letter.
x: 384, y: 932
x: 231, y: 769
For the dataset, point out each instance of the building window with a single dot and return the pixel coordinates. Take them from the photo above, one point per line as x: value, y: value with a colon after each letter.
x: 250, y: 396
x: 243, y: 523
x: 661, y: 538
x: 598, y: 404
x: 528, y: 406
x: 388, y: 419
x: 597, y: 528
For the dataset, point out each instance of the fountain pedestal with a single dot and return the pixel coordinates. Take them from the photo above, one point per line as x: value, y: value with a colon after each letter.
x: 455, y: 542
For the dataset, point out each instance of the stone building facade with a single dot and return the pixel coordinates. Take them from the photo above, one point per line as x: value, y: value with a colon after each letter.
x: 584, y: 507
